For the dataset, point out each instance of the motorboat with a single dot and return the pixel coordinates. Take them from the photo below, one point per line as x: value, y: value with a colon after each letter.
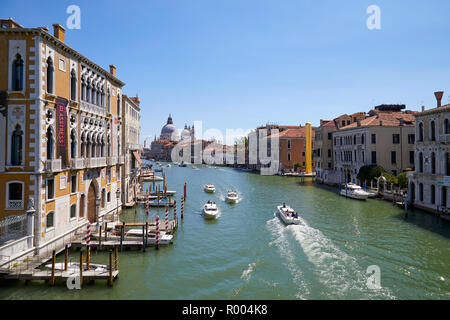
x: 232, y: 196
x: 210, y: 210
x: 135, y: 234
x: 210, y: 188
x: 354, y: 191
x: 288, y: 215
x: 75, y: 266
x: 153, y: 178
x: 168, y: 193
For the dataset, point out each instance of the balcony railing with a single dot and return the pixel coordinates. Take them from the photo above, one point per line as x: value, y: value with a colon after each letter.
x: 445, y: 138
x: 53, y: 165
x: 111, y: 161
x: 77, y: 163
x: 95, y: 162
x: 92, y: 108
x: 15, y: 204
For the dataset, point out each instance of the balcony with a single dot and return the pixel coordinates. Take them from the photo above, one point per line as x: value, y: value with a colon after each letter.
x: 53, y: 165
x: 444, y: 138
x: 77, y: 163
x: 92, y: 108
x: 95, y: 162
x: 110, y: 161
x: 15, y: 205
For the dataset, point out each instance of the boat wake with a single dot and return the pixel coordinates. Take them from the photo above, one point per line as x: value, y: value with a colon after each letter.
x: 280, y: 240
x: 335, y: 269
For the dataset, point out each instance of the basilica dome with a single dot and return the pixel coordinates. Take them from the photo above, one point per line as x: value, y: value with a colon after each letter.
x: 169, y: 131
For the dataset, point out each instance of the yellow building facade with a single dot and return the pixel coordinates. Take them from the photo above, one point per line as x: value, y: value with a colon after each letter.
x: 60, y: 130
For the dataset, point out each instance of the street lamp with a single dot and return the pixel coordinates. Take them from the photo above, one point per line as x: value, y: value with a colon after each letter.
x: 117, y: 197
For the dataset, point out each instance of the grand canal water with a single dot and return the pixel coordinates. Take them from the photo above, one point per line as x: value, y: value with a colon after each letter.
x: 249, y: 254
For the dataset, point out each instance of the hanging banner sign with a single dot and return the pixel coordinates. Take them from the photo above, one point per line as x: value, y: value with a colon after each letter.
x: 61, y: 130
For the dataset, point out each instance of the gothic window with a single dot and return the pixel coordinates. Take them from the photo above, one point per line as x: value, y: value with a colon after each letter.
x: 17, y: 73
x: 50, y: 71
x: 433, y: 131
x: 16, y: 146
x: 420, y: 162
x: 50, y: 143
x: 433, y: 163
x: 73, y: 144
x: 109, y: 101
x: 118, y: 104
x: 73, y: 85
x: 447, y: 126
x: 420, y: 131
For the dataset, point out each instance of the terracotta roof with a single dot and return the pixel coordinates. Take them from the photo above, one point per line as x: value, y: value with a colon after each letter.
x: 293, y: 133
x: 385, y: 119
x: 445, y: 107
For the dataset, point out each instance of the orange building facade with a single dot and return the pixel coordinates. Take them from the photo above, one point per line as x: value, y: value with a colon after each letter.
x: 60, y: 129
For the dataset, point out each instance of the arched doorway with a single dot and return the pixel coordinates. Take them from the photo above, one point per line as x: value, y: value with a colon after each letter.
x: 92, y: 216
x: 82, y: 205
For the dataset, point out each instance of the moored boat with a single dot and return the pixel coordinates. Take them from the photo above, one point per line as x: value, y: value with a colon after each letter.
x: 353, y: 191
x: 136, y: 234
x: 288, y: 215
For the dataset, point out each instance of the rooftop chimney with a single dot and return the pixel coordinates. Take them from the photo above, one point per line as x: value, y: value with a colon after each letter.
x: 59, y: 32
x: 438, y: 95
x: 423, y: 108
x: 358, y: 122
x: 44, y: 28
x: 112, y: 69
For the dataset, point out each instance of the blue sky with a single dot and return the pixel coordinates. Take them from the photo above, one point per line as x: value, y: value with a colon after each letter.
x: 242, y: 63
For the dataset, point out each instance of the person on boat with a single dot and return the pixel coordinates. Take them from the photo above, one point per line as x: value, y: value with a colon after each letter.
x: 296, y: 215
x: 284, y: 205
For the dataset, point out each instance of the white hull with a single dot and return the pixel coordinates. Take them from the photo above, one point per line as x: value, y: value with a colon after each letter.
x: 285, y: 218
x: 232, y: 200
x: 210, y: 211
x: 210, y: 189
x: 353, y: 195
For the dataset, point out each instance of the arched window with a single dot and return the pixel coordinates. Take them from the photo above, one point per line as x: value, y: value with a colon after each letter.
x: 83, y: 89
x: 50, y: 71
x: 420, y: 162
x: 17, y: 73
x: 99, y: 95
x: 93, y: 155
x: 118, y: 145
x: 73, y: 144
x: 103, y: 198
x: 16, y: 146
x: 50, y: 143
x: 109, y: 146
x: 433, y: 194
x: 73, y: 85
x: 421, y: 191
x: 88, y: 93
x: 83, y: 145
x: 433, y: 163
x: 420, y: 132
x: 109, y: 101
x: 447, y: 126
x: 433, y: 131
x: 73, y: 211
x: 15, y: 195
x: 82, y: 204
x: 118, y: 104
x: 50, y: 220
x: 93, y: 91
x: 447, y: 164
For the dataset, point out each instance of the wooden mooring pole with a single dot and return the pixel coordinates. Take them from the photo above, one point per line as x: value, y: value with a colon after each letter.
x: 66, y: 258
x: 53, y: 267
x: 116, y: 258
x: 100, y: 239
x: 122, y: 234
x: 81, y: 268
x: 110, y: 268
x: 106, y: 231
x: 143, y: 238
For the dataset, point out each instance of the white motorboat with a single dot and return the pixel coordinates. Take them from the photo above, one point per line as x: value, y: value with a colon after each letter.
x: 354, y: 191
x: 232, y: 196
x: 75, y: 266
x: 210, y: 188
x: 288, y: 215
x: 135, y: 234
x: 210, y: 210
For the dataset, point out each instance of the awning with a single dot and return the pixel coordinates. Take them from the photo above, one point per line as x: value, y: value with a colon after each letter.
x: 138, y: 158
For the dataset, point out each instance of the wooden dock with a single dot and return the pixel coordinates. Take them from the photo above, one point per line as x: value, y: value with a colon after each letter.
x: 46, y: 275
x: 111, y: 244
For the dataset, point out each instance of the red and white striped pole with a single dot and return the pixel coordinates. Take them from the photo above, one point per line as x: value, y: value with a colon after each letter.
x: 175, y: 211
x: 182, y: 206
x: 88, y: 243
x: 166, y: 221
x: 157, y: 232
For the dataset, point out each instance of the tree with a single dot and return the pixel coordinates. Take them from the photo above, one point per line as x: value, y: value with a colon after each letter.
x: 297, y: 165
x: 370, y: 172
